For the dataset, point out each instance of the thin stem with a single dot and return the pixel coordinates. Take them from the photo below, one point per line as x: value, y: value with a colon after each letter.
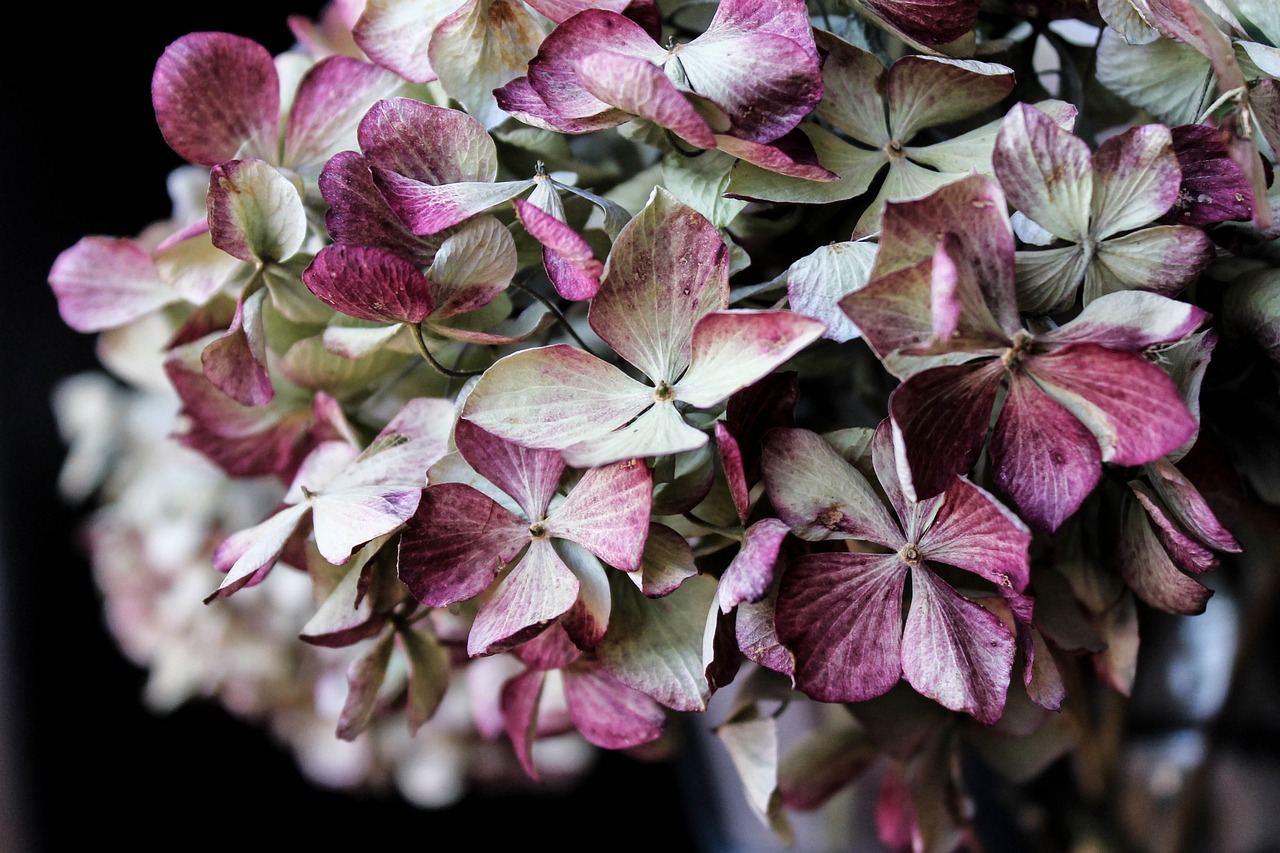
x: 551, y: 306
x: 415, y: 331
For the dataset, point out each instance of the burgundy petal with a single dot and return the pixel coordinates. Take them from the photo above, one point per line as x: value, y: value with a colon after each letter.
x: 331, y: 102
x: 928, y: 22
x: 429, y: 209
x: 841, y: 614
x: 974, y: 531
x: 954, y: 651
x: 217, y: 97
x: 236, y: 362
x: 1042, y: 456
x: 1186, y: 553
x: 520, y: 697
x: 941, y: 417
x: 530, y: 476
x: 454, y: 545
x: 1190, y: 507
x: 359, y: 214
x: 429, y: 144
x: 1214, y: 188
x: 539, y: 589
x: 791, y: 154
x: 1147, y: 569
x: 369, y: 283
x: 610, y: 714
x: 521, y: 100
x: 734, y: 474
x: 636, y: 86
x: 570, y: 263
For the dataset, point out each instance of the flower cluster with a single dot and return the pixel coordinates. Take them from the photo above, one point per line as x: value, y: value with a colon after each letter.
x: 615, y: 355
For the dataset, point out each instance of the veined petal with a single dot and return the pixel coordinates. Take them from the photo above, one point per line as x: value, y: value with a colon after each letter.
x: 1214, y: 186
x: 940, y: 417
x: 570, y: 263
x: 732, y: 349
x: 332, y: 99
x: 429, y: 209
x: 369, y: 283
x: 1131, y: 406
x: 765, y: 82
x: 1136, y: 179
x: 1150, y: 573
x: 841, y: 615
x: 792, y: 155
x: 539, y: 589
x: 932, y: 23
x: 216, y: 97
x: 1163, y: 259
x: 481, y: 46
x: 529, y: 476
x: 455, y: 543
x: 760, y: 179
x: 473, y: 265
x: 820, y: 495
x: 522, y: 101
x: 102, y: 283
x: 520, y: 696
x: 396, y: 33
x: 255, y: 212
x: 348, y: 518
x: 659, y: 431
x: 1186, y: 553
x: 954, y: 651
x: 1042, y: 456
x: 554, y: 396
x: 608, y: 713
x: 975, y: 532
x: 638, y: 87
x: 852, y: 100
x: 818, y: 282
x: 1046, y: 172
x: 359, y: 214
x: 1129, y: 320
x: 667, y: 269
x: 750, y: 576
x: 430, y: 144
x: 249, y: 554
x: 237, y: 361
x: 607, y: 512
x: 553, y: 73
x: 1189, y: 507
x: 1049, y: 279
x: 926, y: 91
x: 787, y: 18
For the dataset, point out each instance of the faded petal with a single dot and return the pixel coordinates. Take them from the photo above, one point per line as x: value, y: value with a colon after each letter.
x: 539, y: 589
x: 926, y: 91
x: 817, y: 282
x: 732, y: 349
x: 607, y: 512
x: 481, y: 46
x: 247, y: 555
x: 750, y: 576
x: 429, y: 209
x: 1046, y: 172
x: 610, y: 714
x: 1136, y: 179
x: 332, y: 99
x: 473, y: 265
x: 659, y: 431
x: 527, y: 475
x: 636, y: 86
x: 255, y: 212
x: 570, y: 263
x: 1163, y: 259
x: 236, y: 361
x: 1129, y: 320
x: 1049, y: 279
x: 102, y: 283
x: 396, y: 34
x: 1147, y: 569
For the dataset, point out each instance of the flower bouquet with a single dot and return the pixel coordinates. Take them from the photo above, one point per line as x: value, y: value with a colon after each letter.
x: 845, y: 383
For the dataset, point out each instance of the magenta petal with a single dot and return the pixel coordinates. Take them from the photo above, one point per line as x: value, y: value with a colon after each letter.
x: 1189, y: 507
x: 610, y: 714
x: 750, y: 576
x: 369, y: 283
x: 928, y: 22
x: 757, y: 637
x: 941, y: 416
x: 217, y: 97
x: 734, y: 474
x: 529, y: 476
x: 553, y: 73
x: 1129, y: 320
x: 427, y: 209
x: 841, y: 615
x: 539, y: 590
x: 332, y: 100
x: 397, y: 35
x: 102, y: 283
x: 667, y: 269
x: 571, y: 265
x: 1136, y: 179
x: 1185, y: 552
x: 247, y: 555
x: 1042, y: 456
x: 607, y: 512
x: 552, y: 649
x: 1214, y: 187
x: 520, y: 697
x: 975, y: 532
x: 954, y: 651
x: 1132, y: 406
x: 732, y: 349
x: 1150, y: 573
x: 521, y: 100
x: 637, y: 86
x: 454, y: 545
x: 236, y: 362
x: 359, y: 214
x: 429, y: 144
x: 791, y: 154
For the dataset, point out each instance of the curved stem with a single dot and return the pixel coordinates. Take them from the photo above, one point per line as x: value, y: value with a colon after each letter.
x: 551, y: 306
x: 415, y: 331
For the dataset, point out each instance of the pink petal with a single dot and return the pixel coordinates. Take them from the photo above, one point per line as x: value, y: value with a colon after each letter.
x: 732, y: 349
x: 636, y: 86
x: 552, y: 649
x: 429, y: 144
x: 428, y: 209
x: 941, y: 416
x: 568, y: 258
x: 102, y: 283
x: 1150, y: 573
x: 520, y: 697
x: 247, y: 555
x: 667, y: 269
x: 236, y: 362
x: 791, y: 154
x: 607, y: 512
x: 521, y: 100
x: 539, y: 590
x: 1189, y: 506
x: 955, y: 652
x: 1132, y: 406
x: 396, y: 35
x: 1185, y: 552
x: 608, y: 713
x: 454, y: 545
x: 734, y: 474
x: 586, y: 623
x: 928, y: 22
x: 1046, y: 172
x: 529, y: 476
x: 749, y: 576
x: 1042, y: 456
x: 332, y: 99
x: 216, y: 97
x: 757, y: 637
x: 841, y: 615
x: 1130, y: 320
x: 369, y: 283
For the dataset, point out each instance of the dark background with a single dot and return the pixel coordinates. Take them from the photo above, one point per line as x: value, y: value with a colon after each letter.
x: 82, y: 758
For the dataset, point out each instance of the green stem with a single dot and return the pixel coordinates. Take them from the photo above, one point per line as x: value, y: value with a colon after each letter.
x: 551, y: 306
x: 415, y: 331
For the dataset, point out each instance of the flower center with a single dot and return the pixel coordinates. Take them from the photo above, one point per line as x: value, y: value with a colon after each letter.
x: 538, y: 530
x: 894, y: 149
x: 1017, y: 353
x: 910, y: 554
x: 664, y: 393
